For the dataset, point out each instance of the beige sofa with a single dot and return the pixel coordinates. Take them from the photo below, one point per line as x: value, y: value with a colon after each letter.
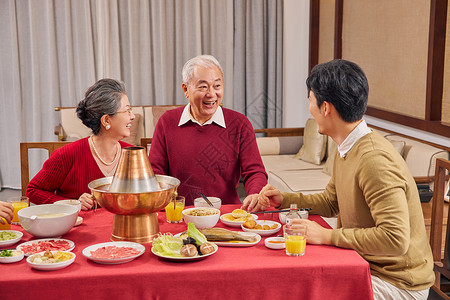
x: 71, y: 128
x: 290, y: 173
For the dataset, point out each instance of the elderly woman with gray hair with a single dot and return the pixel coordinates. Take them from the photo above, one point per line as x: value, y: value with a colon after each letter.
x: 207, y: 147
x: 67, y: 173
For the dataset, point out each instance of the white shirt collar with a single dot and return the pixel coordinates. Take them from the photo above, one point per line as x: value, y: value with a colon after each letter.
x: 357, y: 133
x: 216, y: 118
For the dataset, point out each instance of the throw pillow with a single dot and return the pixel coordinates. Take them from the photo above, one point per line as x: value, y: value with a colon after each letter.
x: 332, y: 150
x: 314, y: 144
x: 133, y: 131
x: 399, y: 146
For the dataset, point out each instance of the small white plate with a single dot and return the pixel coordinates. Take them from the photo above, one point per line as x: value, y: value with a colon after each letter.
x: 10, y: 242
x: 79, y: 221
x: 263, y: 232
x: 113, y: 261
x: 11, y: 259
x: 51, y: 266
x: 70, y: 246
x: 269, y: 242
x: 186, y: 259
x: 234, y: 223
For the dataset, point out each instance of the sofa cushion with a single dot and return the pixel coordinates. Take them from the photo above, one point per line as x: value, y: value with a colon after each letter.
x: 279, y: 145
x: 398, y: 145
x: 314, y: 144
x: 305, y: 181
x: 287, y: 162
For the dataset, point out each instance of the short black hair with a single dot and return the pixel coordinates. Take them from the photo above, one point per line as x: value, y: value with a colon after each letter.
x: 343, y: 84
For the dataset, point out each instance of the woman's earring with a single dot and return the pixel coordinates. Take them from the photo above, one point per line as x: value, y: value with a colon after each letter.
x: 107, y: 126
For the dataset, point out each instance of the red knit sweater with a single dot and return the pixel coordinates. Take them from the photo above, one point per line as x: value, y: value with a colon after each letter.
x: 208, y: 159
x: 66, y: 174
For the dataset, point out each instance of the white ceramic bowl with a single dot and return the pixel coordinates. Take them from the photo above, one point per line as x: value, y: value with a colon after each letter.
x: 76, y: 203
x: 200, y: 202
x: 201, y: 222
x: 34, y: 222
x: 51, y: 266
x: 11, y: 259
x: 275, y: 243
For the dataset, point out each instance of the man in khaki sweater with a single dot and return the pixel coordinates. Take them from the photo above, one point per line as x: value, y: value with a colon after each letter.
x: 371, y: 189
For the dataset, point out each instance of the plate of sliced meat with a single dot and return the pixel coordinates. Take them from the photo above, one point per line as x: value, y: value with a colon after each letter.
x: 113, y: 252
x: 36, y: 246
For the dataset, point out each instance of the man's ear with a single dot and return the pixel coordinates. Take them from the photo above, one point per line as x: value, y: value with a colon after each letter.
x: 326, y: 108
x: 185, y: 90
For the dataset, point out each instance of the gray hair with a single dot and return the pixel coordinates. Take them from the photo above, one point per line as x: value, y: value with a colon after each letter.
x: 206, y: 61
x: 102, y: 98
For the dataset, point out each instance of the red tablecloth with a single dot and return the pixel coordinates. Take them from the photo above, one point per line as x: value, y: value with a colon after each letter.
x: 256, y: 272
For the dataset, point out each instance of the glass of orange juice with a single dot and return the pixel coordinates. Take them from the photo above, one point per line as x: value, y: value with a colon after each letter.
x: 174, y: 209
x: 295, y: 239
x: 5, y: 226
x: 18, y: 203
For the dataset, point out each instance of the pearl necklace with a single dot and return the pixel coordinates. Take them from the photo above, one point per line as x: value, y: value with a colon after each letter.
x: 91, y: 141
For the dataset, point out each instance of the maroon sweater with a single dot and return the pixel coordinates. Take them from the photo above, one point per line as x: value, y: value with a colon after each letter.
x: 66, y: 174
x: 208, y: 159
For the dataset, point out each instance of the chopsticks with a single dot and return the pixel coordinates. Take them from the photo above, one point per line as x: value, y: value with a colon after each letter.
x: 278, y: 211
x: 206, y: 199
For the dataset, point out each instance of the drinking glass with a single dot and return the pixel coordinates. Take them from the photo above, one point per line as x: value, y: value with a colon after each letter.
x: 295, y: 239
x: 18, y: 203
x: 5, y: 226
x: 174, y: 209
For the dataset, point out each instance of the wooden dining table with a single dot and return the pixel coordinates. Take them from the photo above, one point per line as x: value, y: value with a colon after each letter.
x: 256, y: 272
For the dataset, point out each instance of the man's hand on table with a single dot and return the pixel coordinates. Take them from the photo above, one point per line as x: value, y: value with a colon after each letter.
x: 315, y: 234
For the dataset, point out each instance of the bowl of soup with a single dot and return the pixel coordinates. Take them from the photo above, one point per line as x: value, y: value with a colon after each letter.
x: 48, y: 220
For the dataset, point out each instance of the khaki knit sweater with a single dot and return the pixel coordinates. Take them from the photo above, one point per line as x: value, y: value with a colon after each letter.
x: 380, y: 214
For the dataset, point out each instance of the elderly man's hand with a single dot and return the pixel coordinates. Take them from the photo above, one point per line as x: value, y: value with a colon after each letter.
x: 6, y: 212
x: 270, y: 196
x: 251, y: 203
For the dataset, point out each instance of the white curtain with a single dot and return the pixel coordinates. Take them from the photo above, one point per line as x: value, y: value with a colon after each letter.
x: 51, y: 51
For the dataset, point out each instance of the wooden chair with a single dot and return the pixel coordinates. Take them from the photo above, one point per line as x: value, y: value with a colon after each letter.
x: 24, y: 162
x: 441, y: 266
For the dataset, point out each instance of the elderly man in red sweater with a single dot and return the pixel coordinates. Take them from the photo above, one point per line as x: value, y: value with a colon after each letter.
x: 207, y: 147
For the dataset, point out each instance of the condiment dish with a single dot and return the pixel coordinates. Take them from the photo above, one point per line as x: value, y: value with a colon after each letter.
x: 17, y: 256
x: 275, y: 243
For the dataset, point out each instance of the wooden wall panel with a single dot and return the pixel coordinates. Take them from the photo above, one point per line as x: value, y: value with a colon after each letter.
x: 326, y: 30
x: 389, y: 40
x: 446, y: 91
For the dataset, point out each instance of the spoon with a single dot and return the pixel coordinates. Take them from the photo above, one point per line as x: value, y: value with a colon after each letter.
x: 206, y: 199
